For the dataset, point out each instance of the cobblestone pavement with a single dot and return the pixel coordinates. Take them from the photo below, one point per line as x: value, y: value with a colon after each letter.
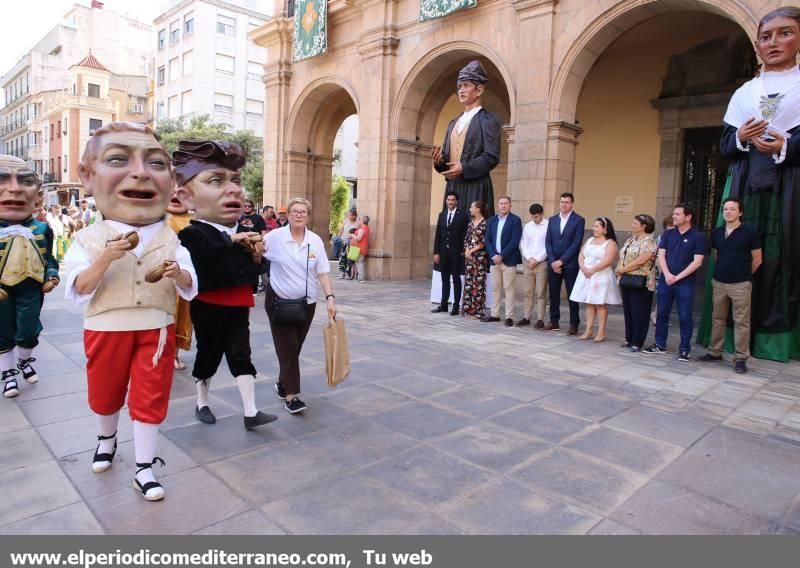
x: 444, y: 426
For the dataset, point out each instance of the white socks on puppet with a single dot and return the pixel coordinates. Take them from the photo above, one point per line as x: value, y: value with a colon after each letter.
x: 202, y: 393
x: 107, y: 427
x: 145, y: 441
x: 247, y: 389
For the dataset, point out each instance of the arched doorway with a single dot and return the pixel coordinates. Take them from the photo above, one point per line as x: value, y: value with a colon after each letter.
x: 312, y: 128
x: 616, y: 91
x: 425, y: 105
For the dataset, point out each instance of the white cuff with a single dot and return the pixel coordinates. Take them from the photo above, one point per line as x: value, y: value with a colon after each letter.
x: 740, y: 146
x: 69, y: 291
x: 779, y: 158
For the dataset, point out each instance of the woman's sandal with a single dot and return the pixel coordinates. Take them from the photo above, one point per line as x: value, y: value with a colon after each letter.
x: 152, y: 490
x: 103, y: 462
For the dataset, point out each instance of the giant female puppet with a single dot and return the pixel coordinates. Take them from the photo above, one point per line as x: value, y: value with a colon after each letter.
x: 126, y: 269
x: 471, y: 147
x: 761, y: 138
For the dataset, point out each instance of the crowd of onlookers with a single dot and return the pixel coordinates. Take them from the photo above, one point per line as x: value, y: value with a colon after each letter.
x: 598, y: 272
x: 65, y: 221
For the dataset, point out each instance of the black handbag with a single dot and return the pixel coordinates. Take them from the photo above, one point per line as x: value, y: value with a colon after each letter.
x: 290, y: 311
x: 633, y: 281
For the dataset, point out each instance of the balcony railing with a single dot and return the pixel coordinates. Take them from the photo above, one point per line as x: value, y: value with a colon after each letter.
x: 14, y: 126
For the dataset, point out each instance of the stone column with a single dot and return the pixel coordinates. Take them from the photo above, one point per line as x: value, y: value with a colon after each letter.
x: 527, y: 153
x: 562, y: 137
x: 276, y: 35
x: 377, y: 47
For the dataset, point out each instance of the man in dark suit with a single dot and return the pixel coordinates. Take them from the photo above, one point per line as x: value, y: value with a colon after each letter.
x: 448, y: 251
x: 503, y: 234
x: 563, y: 243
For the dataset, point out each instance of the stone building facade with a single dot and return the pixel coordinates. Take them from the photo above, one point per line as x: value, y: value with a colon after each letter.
x: 614, y: 100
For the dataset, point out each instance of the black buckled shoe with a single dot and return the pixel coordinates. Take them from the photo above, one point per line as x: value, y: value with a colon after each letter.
x: 10, y: 386
x: 259, y: 419
x: 103, y: 462
x: 28, y: 372
x: 152, y: 490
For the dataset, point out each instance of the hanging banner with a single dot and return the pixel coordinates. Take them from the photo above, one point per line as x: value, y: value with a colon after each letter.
x: 431, y: 9
x: 310, y: 28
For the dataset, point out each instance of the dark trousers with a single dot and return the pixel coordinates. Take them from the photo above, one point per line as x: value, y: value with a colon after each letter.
x: 682, y: 294
x: 636, y: 305
x: 221, y: 330
x: 19, y: 316
x: 568, y: 276
x: 288, y: 341
x: 451, y: 267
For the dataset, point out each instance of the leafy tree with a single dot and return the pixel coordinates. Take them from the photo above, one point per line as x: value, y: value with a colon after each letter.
x: 340, y: 197
x: 200, y: 127
x: 253, y: 179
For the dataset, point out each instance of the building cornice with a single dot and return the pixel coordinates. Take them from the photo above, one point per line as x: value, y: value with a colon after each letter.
x: 564, y: 131
x: 273, y: 31
x: 233, y: 8
x: 378, y: 42
x: 532, y: 8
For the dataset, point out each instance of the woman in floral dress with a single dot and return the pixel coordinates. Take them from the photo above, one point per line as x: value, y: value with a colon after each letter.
x: 473, y: 301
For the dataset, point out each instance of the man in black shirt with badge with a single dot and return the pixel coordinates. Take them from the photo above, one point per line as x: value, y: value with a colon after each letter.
x: 737, y: 255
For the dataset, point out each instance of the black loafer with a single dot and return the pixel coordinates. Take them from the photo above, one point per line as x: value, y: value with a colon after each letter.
x: 205, y: 415
x: 439, y: 310
x: 259, y: 419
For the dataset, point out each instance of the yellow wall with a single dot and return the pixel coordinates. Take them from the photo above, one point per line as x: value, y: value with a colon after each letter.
x: 618, y: 153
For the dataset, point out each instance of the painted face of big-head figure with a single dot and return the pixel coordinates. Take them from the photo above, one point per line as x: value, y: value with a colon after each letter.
x: 176, y: 206
x: 128, y: 172
x: 19, y: 190
x: 210, y: 180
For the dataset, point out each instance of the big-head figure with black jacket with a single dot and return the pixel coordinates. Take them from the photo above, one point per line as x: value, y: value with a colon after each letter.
x: 227, y: 263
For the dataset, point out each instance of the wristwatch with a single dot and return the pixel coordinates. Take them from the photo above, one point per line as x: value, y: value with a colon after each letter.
x: 330, y: 296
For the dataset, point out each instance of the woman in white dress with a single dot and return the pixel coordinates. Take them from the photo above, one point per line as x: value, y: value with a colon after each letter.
x: 596, y: 285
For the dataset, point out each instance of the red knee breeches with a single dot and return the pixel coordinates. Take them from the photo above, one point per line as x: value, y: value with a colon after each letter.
x: 116, y: 359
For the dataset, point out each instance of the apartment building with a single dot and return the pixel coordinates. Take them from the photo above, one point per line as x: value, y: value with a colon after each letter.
x: 205, y: 63
x: 64, y: 119
x: 122, y: 43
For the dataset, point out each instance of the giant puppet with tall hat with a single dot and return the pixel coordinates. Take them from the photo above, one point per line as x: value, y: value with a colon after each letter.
x: 471, y: 147
x: 228, y: 260
x: 27, y: 268
x: 125, y: 268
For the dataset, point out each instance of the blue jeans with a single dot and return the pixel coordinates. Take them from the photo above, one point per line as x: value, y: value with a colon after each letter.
x: 338, y: 243
x: 682, y: 294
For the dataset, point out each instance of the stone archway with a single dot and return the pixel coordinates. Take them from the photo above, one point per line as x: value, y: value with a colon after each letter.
x: 581, y: 53
x: 417, y: 109
x: 311, y: 129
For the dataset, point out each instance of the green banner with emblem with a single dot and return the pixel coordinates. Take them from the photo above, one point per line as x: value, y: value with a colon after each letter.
x: 310, y: 28
x: 431, y: 9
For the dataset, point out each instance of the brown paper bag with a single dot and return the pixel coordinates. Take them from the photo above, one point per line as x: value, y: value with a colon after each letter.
x: 337, y: 355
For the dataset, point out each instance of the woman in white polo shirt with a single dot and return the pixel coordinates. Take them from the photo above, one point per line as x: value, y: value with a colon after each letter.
x: 298, y: 260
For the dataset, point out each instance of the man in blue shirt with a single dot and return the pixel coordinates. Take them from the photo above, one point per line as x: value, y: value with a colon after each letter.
x: 503, y: 234
x: 680, y: 254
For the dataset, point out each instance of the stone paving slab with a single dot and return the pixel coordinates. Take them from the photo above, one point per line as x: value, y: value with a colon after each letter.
x: 445, y: 426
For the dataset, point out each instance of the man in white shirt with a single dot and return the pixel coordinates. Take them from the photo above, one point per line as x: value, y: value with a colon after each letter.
x: 534, y: 257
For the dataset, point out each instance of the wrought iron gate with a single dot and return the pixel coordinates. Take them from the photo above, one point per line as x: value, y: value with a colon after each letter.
x: 704, y: 171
